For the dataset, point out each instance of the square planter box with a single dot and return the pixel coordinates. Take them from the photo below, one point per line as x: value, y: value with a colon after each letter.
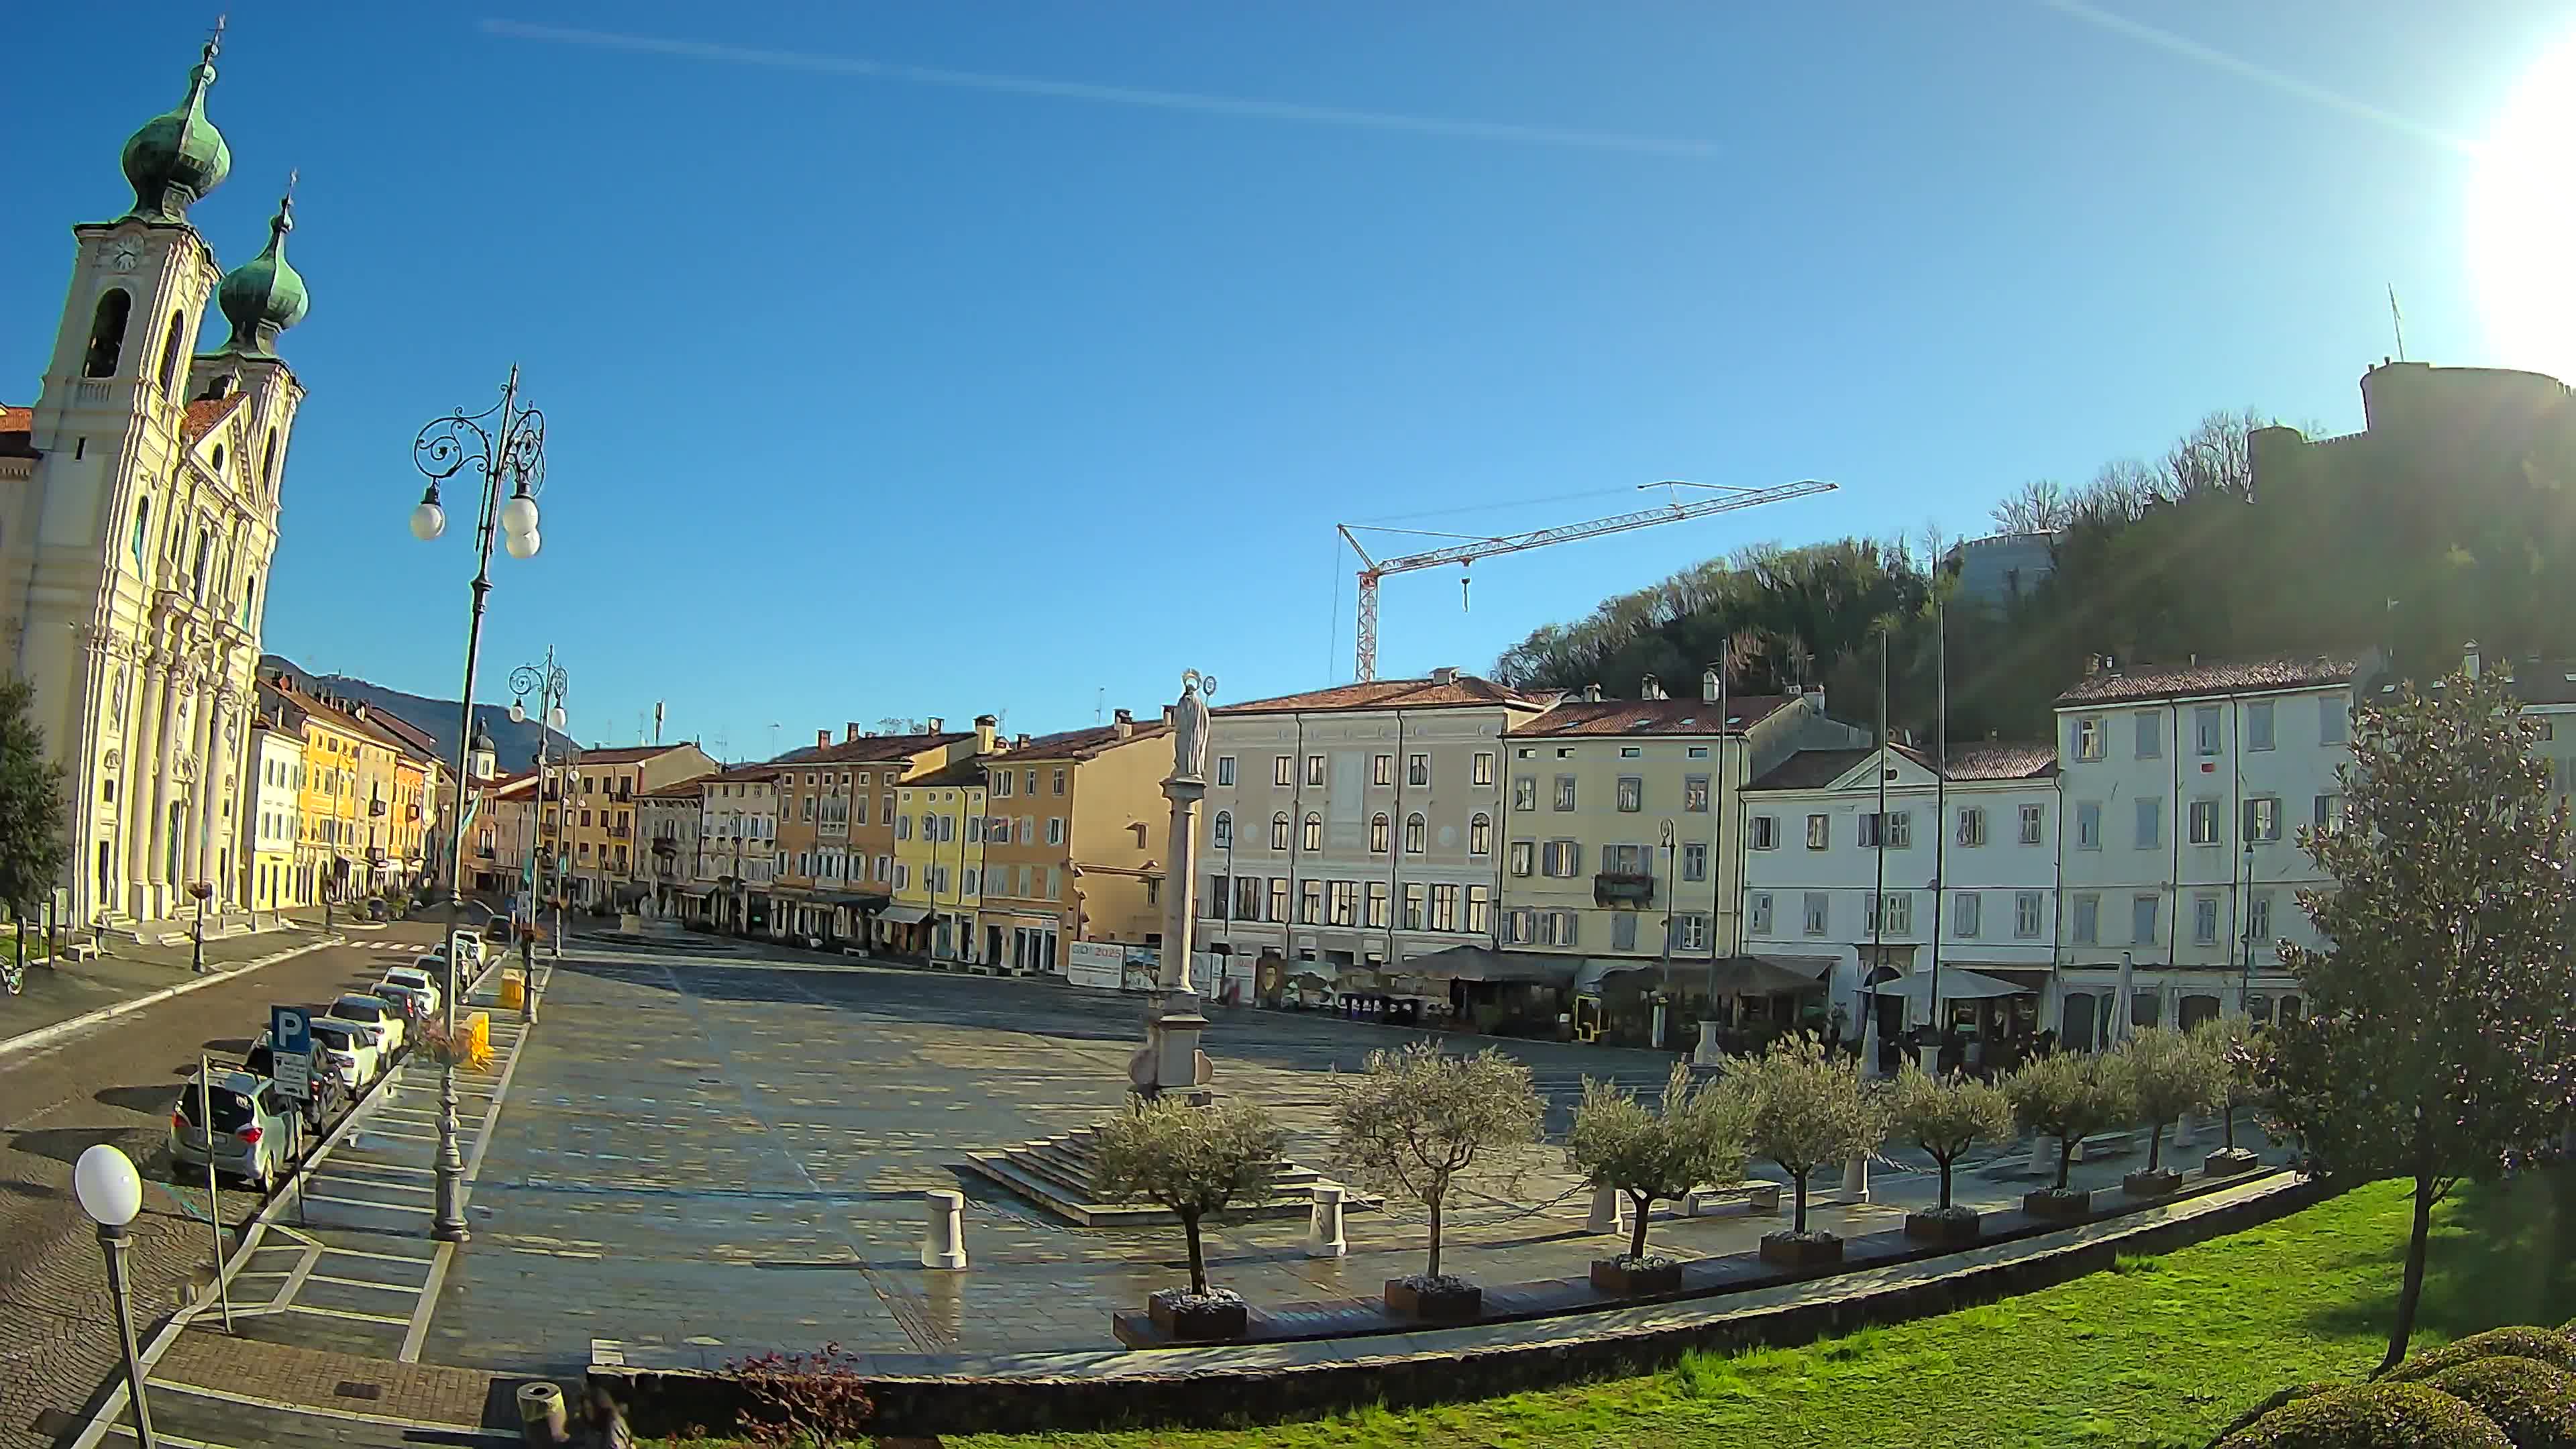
x: 2228, y: 1161
x: 1453, y: 1305
x: 1613, y: 1277
x: 1949, y: 1229
x: 1198, y: 1322
x: 2063, y: 1207
x: 1787, y: 1250
x: 2163, y: 1182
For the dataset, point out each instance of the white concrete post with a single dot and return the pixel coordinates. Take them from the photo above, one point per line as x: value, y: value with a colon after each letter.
x: 1324, y: 1225
x: 1856, y: 1178
x: 1609, y: 1212
x: 2040, y: 1163
x: 1869, y: 1047
x: 2186, y: 1131
x: 943, y: 1236
x: 1708, y: 1053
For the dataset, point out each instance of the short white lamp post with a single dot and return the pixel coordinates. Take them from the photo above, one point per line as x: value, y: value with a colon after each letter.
x: 109, y: 1191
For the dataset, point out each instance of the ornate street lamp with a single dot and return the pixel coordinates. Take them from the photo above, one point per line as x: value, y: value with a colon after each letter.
x: 505, y: 446
x: 549, y: 683
x: 111, y: 1193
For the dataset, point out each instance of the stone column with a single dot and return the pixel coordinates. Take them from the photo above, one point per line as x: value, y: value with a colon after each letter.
x: 142, y: 756
x: 176, y: 689
x: 192, y: 838
x: 208, y: 804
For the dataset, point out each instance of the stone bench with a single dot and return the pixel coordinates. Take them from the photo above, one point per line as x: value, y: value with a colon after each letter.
x: 80, y: 950
x: 1759, y: 1195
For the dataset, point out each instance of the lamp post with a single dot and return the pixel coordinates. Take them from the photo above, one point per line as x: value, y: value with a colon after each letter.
x: 1664, y: 971
x: 111, y: 1193
x: 506, y: 446
x: 2245, y: 914
x: 548, y: 682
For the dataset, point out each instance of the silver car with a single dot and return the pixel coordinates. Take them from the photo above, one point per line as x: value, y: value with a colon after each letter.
x: 254, y: 1127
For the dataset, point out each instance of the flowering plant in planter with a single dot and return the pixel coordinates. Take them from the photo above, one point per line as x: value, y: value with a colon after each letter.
x: 1649, y: 1157
x: 468, y: 1048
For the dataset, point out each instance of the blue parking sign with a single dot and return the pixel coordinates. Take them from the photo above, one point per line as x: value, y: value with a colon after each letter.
x: 290, y: 1044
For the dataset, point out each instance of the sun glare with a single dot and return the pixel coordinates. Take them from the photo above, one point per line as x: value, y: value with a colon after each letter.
x: 2521, y: 232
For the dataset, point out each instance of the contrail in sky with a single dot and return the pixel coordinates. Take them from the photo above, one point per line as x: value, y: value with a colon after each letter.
x: 2216, y: 59
x: 1257, y: 110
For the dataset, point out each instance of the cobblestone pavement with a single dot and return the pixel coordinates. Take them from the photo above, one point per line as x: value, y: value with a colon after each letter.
x: 117, y: 1083
x: 703, y: 1152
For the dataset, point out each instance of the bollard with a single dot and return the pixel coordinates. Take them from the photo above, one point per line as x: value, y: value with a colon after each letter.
x: 1707, y: 1053
x: 541, y: 1415
x: 2186, y: 1131
x: 2041, y: 1165
x: 1856, y: 1179
x: 1609, y: 1212
x: 943, y: 1236
x: 1324, y: 1226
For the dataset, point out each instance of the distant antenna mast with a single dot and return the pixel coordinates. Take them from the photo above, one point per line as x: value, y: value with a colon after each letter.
x: 1099, y: 701
x: 2397, y: 321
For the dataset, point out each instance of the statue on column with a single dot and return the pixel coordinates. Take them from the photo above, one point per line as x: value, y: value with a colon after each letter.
x: 1190, y: 728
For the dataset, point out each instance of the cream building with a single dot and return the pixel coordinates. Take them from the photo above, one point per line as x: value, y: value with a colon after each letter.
x: 138, y: 514
x: 1592, y: 786
x: 273, y: 825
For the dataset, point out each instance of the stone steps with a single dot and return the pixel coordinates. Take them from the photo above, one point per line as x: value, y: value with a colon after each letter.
x: 1060, y: 1174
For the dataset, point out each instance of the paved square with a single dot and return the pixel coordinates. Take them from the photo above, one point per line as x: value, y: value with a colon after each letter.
x: 695, y: 1150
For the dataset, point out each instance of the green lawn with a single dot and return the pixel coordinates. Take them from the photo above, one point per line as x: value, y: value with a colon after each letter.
x: 2161, y: 1353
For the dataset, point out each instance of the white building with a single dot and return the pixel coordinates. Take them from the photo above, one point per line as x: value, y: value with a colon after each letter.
x: 1344, y: 823
x: 274, y: 823
x: 1828, y: 879
x: 2184, y: 791
x: 738, y: 846
x: 138, y: 513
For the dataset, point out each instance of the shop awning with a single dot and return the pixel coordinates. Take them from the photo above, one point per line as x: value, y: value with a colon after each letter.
x: 1957, y: 984
x: 904, y: 915
x: 1596, y: 969
x: 861, y: 902
x: 1477, y: 963
x: 1763, y: 975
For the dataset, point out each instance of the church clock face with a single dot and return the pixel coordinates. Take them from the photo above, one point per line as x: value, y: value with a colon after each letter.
x: 124, y: 254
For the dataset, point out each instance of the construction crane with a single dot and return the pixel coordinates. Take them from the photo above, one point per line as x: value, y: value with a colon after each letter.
x: 1471, y: 547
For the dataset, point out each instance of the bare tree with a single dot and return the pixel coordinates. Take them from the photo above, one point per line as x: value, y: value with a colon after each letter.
x: 2040, y: 507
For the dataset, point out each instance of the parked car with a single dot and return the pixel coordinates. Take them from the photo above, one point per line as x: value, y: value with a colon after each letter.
x: 373, y: 1011
x: 418, y: 978
x: 327, y: 1090
x: 469, y: 950
x: 497, y: 930
x: 253, y: 1127
x: 413, y: 1002
x: 356, y: 1052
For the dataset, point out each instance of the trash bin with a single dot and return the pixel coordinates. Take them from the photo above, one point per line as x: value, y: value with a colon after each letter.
x: 514, y: 990
x: 541, y: 1414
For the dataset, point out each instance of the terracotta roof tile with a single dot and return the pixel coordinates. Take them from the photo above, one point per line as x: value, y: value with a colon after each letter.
x: 765, y: 770
x: 1808, y: 769
x: 1992, y: 760
x: 2184, y: 681
x: 17, y: 432
x: 208, y: 413
x: 1083, y: 744
x: 1573, y: 717
x: 627, y: 754
x: 1466, y: 691
x: 871, y: 749
x: 965, y: 772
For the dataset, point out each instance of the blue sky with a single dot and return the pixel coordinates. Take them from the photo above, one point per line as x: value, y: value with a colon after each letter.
x: 910, y: 389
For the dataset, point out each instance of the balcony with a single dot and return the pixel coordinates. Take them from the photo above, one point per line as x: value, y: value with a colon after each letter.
x: 665, y: 845
x: 620, y: 832
x: 1623, y: 888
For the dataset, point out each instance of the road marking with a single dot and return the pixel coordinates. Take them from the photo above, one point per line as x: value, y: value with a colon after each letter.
x: 380, y: 1257
x: 316, y: 1411
x: 418, y: 1329
x: 343, y: 1313
x: 385, y: 1186
x: 359, y: 1283
x: 388, y: 1207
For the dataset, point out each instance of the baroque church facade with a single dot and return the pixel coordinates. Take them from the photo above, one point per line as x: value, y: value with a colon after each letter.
x: 138, y: 515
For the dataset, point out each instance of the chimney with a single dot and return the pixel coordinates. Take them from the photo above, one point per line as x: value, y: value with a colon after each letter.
x: 934, y: 726
x: 1592, y: 694
x: 822, y: 738
x: 1649, y: 687
x: 1019, y: 742
x: 850, y: 731
x: 2469, y: 659
x: 1445, y: 674
x: 1167, y: 716
x: 1123, y: 723
x: 2092, y: 666
x: 985, y: 724
x: 1708, y: 686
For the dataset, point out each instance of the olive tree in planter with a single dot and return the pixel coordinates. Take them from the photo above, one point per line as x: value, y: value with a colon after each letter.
x: 2069, y: 1098
x: 1805, y: 1108
x: 1945, y: 1116
x: 1415, y: 1123
x: 1619, y: 1145
x: 2233, y: 1044
x: 2170, y: 1073
x: 1194, y: 1161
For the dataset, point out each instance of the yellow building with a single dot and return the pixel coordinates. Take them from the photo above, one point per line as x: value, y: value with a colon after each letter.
x: 607, y: 860
x: 1075, y: 846
x: 1622, y: 823
x: 939, y: 856
x: 272, y: 834
x: 330, y: 811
